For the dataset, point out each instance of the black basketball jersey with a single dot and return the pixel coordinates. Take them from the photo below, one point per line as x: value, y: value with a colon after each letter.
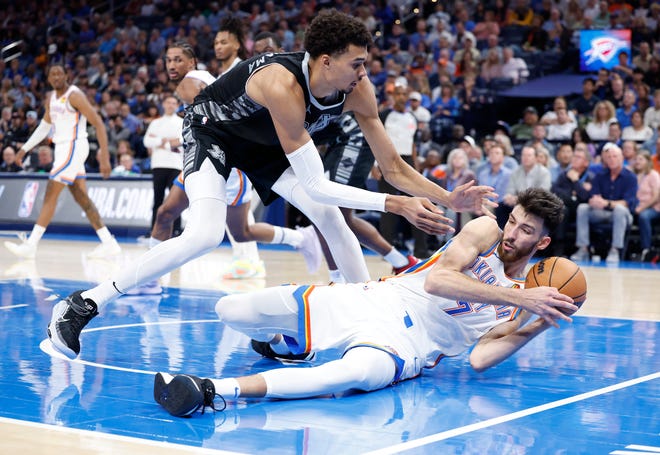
x: 227, y: 106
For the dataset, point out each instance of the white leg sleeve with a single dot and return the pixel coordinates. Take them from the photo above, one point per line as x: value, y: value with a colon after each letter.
x: 204, y: 231
x: 362, y: 368
x: 343, y: 244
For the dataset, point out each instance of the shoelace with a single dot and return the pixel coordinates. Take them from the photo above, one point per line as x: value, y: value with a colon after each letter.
x: 209, y: 398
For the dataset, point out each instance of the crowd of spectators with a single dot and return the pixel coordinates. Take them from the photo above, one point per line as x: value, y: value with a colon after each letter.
x: 453, y: 56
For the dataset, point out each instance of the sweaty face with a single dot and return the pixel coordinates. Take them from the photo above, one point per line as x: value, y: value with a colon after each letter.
x: 522, y: 233
x: 178, y: 64
x: 347, y: 69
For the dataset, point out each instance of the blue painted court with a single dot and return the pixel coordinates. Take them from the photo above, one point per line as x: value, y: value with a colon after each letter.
x: 592, y: 387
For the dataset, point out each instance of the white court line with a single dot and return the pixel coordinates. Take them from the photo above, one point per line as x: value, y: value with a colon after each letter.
x: 508, y: 417
x: 9, y: 307
x: 167, y: 446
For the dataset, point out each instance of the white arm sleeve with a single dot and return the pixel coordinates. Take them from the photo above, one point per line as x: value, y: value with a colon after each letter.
x: 306, y: 164
x: 39, y: 135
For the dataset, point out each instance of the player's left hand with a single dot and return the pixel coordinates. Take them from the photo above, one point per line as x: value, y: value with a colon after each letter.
x: 470, y: 198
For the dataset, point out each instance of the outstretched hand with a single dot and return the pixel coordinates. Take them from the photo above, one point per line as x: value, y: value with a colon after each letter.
x: 470, y: 198
x: 549, y: 304
x: 421, y: 212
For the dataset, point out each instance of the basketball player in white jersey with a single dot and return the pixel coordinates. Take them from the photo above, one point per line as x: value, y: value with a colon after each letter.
x: 67, y: 113
x: 470, y: 291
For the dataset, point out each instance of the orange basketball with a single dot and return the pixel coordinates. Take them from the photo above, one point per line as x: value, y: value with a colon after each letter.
x: 560, y: 273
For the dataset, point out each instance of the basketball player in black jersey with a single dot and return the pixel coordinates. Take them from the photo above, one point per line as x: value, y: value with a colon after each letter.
x: 260, y: 119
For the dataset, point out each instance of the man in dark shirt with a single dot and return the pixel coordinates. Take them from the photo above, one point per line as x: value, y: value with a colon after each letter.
x: 612, y: 199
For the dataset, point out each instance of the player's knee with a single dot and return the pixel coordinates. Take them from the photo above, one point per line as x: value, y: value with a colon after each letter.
x: 230, y: 308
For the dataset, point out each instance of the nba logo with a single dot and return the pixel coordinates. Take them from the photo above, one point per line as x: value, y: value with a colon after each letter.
x: 29, y: 195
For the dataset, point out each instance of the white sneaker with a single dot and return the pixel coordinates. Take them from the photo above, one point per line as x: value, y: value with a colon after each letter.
x: 22, y: 250
x: 242, y: 269
x: 105, y: 250
x: 582, y: 254
x: 612, y: 256
x: 150, y: 288
x: 310, y: 248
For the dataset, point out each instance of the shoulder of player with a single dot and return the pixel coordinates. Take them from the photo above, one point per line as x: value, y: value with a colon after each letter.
x: 483, y: 232
x: 273, y: 80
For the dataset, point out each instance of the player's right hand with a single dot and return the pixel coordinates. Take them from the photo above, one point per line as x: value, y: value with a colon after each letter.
x: 421, y: 212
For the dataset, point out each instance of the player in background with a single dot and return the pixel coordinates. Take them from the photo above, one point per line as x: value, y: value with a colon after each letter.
x: 67, y: 112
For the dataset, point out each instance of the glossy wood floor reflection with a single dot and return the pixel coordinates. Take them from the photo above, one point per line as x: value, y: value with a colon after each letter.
x: 590, y: 387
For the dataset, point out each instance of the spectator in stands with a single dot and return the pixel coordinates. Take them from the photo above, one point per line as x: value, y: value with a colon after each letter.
x: 583, y: 106
x: 555, y: 27
x: 18, y: 131
x: 520, y: 13
x: 613, y: 198
x: 530, y: 174
x: 629, y: 150
x: 652, y: 114
x: 513, y: 68
x: 602, y: 20
x: 544, y: 159
x: 580, y: 135
x: 643, y: 58
x: 652, y: 76
x: 127, y: 166
x: 573, y: 186
x: 487, y: 27
x: 491, y: 67
x: 625, y: 111
x: 523, y: 131
x: 41, y: 161
x: 537, y: 38
x: 550, y: 116
x: 422, y: 114
x: 602, y: 87
x: 617, y: 89
x: 9, y: 160
x: 564, y: 156
x: 495, y: 174
x: 648, y: 200
x: 623, y: 68
x: 117, y: 131
x: 457, y: 173
x: 446, y: 105
x: 468, y: 46
x: 637, y: 131
x: 598, y: 128
x: 539, y: 134
x: 562, y: 128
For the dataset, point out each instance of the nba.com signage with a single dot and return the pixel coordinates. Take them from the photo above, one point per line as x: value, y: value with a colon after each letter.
x: 121, y: 202
x: 601, y: 48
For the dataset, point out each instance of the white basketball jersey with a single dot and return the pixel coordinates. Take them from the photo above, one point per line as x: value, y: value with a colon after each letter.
x: 68, y: 123
x: 449, y: 326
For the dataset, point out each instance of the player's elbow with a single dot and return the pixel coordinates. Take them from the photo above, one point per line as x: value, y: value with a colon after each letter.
x: 478, y: 362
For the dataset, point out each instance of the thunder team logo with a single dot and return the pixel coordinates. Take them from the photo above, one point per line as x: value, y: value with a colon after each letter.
x: 604, y: 49
x: 600, y: 48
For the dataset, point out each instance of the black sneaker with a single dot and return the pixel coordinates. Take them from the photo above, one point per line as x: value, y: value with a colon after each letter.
x: 69, y: 317
x: 264, y: 348
x: 183, y: 394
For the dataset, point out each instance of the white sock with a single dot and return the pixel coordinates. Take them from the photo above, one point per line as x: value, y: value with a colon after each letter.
x: 227, y: 387
x: 336, y: 276
x: 395, y: 258
x: 102, y: 294
x: 36, y: 234
x: 104, y: 235
x: 287, y: 236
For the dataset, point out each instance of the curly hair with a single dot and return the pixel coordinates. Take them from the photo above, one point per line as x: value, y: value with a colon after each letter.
x: 544, y: 204
x: 234, y: 26
x: 331, y: 32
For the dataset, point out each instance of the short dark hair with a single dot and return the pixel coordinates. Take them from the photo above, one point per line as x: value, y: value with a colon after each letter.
x: 186, y: 48
x: 266, y: 35
x: 544, y: 204
x: 331, y: 32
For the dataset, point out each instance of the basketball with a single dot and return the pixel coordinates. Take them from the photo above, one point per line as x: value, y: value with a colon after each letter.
x: 560, y: 273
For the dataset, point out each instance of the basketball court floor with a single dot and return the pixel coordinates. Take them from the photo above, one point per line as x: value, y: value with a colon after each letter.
x: 590, y: 387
